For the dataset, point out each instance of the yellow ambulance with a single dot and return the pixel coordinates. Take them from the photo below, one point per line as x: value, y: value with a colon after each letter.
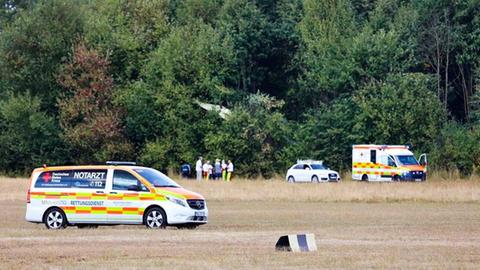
x: 115, y: 193
x: 387, y: 163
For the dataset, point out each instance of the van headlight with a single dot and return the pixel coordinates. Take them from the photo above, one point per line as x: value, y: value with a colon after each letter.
x: 177, y: 201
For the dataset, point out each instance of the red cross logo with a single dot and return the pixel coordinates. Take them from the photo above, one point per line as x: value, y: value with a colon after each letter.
x: 47, y: 177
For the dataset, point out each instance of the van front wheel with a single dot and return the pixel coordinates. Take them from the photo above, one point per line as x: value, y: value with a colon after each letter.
x: 55, y: 219
x: 155, y: 218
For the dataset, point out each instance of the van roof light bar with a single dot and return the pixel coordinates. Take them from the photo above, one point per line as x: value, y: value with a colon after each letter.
x: 128, y: 163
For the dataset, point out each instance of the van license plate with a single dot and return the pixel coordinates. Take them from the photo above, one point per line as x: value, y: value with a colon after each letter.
x: 199, y: 213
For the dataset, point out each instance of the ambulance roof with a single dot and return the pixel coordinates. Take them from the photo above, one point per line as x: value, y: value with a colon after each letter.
x: 88, y: 167
x: 378, y: 146
x: 398, y: 152
x: 390, y: 149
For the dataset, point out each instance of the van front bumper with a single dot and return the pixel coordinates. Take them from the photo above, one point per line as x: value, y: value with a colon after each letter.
x: 414, y: 176
x: 186, y: 215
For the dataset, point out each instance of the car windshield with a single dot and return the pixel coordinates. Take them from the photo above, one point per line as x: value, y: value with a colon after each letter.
x: 317, y: 167
x: 156, y: 178
x: 407, y: 160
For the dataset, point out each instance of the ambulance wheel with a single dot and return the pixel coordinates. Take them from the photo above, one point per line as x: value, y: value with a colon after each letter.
x: 365, y: 178
x: 55, y: 219
x: 155, y: 218
x: 291, y: 179
x: 315, y: 179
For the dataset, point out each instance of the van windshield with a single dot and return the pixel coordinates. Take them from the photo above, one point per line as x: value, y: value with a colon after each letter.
x: 156, y: 178
x: 407, y: 160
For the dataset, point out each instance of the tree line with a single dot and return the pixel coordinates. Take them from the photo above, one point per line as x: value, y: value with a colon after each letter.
x: 89, y: 81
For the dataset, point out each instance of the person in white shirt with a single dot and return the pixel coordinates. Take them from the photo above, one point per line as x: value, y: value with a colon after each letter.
x: 210, y: 171
x: 198, y: 168
x: 224, y: 170
x: 229, y: 170
x: 206, y: 169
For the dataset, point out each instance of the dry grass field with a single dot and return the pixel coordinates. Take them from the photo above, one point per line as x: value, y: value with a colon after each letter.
x: 432, y: 225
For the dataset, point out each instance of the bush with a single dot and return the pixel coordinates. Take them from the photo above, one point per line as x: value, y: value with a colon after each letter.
x: 28, y: 136
x: 458, y: 148
x: 253, y: 137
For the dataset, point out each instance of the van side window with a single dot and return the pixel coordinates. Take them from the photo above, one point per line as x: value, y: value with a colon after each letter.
x: 123, y: 180
x: 90, y: 179
x: 373, y: 156
x: 391, y: 162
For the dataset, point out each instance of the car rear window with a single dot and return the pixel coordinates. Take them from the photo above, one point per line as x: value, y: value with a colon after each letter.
x: 90, y: 179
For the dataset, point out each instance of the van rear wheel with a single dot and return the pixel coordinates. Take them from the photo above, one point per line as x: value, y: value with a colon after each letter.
x: 55, y: 219
x: 155, y: 218
x: 365, y: 178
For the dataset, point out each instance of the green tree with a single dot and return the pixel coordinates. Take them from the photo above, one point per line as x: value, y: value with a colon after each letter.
x: 402, y: 109
x: 191, y: 64
x: 253, y: 137
x: 324, y: 57
x: 242, y: 22
x: 28, y: 136
x: 10, y: 8
x: 190, y: 11
x: 126, y: 31
x: 33, y: 47
x: 327, y: 134
x: 457, y: 148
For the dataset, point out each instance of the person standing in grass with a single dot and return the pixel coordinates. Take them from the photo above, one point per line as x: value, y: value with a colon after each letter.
x: 206, y: 170
x: 229, y: 170
x: 211, y: 173
x: 185, y: 170
x: 224, y: 170
x: 218, y: 169
x: 198, y: 168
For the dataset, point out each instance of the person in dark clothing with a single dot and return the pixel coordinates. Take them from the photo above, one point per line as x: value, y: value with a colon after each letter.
x: 185, y: 169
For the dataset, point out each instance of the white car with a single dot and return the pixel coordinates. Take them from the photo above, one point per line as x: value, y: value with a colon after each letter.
x: 311, y: 171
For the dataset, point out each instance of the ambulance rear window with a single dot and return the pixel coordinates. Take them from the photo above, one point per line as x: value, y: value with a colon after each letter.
x: 90, y: 179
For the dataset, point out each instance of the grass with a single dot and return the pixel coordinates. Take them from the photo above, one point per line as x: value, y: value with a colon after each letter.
x: 345, y: 191
x: 398, y: 231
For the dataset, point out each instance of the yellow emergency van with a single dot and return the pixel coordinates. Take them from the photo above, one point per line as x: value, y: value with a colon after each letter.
x: 115, y: 193
x: 387, y: 163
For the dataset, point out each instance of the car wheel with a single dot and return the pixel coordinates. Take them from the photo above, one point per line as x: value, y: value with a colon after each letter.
x: 55, y: 219
x: 365, y: 178
x: 291, y: 179
x: 155, y: 218
x: 315, y: 179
